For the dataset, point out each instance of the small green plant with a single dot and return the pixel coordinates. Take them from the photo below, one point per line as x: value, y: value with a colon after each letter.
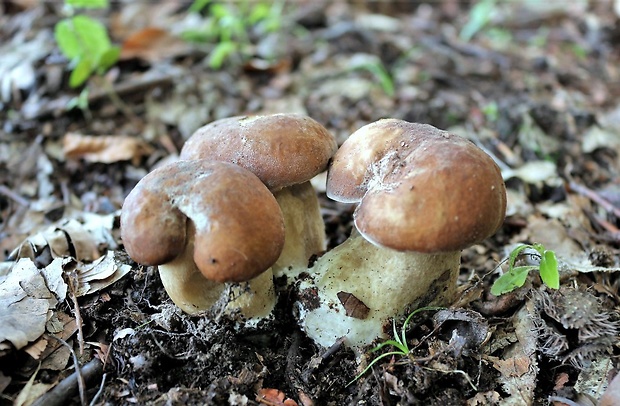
x: 491, y: 111
x: 229, y: 24
x: 85, y: 42
x: 516, y: 275
x: 380, y: 73
x: 399, y: 342
x: 479, y: 17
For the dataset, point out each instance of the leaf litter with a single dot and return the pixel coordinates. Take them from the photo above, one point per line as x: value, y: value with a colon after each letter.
x: 535, y: 85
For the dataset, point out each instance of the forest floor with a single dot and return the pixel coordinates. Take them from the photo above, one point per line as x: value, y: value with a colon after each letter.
x: 535, y: 84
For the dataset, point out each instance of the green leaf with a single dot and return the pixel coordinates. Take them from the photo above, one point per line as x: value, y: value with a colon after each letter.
x: 479, y: 17
x: 258, y: 13
x: 515, y: 253
x: 67, y: 40
x: 198, y: 5
x: 81, y: 37
x: 511, y: 280
x: 108, y: 58
x: 549, y: 270
x: 87, y: 3
x: 81, y: 72
x: 220, y: 53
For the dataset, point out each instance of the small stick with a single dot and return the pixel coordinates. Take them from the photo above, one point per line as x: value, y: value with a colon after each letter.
x: 14, y: 196
x: 595, y: 197
x: 61, y: 393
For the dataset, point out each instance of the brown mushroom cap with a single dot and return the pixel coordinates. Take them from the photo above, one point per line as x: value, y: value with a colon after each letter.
x: 281, y: 149
x: 420, y: 188
x: 239, y: 229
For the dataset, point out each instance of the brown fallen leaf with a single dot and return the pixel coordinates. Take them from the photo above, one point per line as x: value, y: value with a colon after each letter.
x: 353, y: 306
x: 274, y: 397
x: 152, y: 44
x: 105, y: 149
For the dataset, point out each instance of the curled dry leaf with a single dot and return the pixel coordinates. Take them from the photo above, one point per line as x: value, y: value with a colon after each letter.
x: 100, y: 274
x: 82, y: 238
x: 105, y: 149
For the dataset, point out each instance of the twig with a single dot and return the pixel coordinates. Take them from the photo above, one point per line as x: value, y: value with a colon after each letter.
x: 62, y: 392
x: 595, y: 197
x: 99, y: 392
x: 14, y: 196
x: 76, y: 310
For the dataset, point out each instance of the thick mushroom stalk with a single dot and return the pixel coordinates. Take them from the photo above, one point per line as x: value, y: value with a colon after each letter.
x: 206, y: 224
x: 424, y: 195
x: 285, y: 151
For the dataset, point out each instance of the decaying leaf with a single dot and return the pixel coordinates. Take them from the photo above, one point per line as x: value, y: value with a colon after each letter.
x: 100, y: 274
x: 353, y: 307
x: 25, y: 301
x: 274, y: 397
x: 80, y: 238
x: 105, y: 149
x: 469, y: 328
x: 592, y: 381
x: 153, y: 44
x: 518, y: 364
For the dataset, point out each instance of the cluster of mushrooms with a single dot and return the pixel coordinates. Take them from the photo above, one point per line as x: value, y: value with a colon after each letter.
x: 238, y: 209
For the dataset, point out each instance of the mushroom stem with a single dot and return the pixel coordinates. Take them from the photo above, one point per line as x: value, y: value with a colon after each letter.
x: 387, y: 282
x: 304, y: 229
x: 193, y: 293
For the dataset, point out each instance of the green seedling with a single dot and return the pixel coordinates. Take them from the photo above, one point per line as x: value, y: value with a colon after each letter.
x: 380, y: 73
x: 228, y: 26
x: 479, y: 17
x: 85, y: 42
x: 516, y: 275
x: 399, y: 342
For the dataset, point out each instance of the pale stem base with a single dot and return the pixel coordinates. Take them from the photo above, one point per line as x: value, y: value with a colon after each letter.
x: 388, y: 282
x: 193, y: 293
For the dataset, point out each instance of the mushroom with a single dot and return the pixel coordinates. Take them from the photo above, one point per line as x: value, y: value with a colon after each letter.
x: 285, y: 151
x: 424, y: 195
x: 206, y: 224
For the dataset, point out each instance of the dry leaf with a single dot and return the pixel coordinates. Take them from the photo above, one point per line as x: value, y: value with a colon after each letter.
x: 274, y: 397
x: 24, y: 311
x: 79, y: 238
x: 153, y: 45
x: 105, y: 149
x: 100, y: 274
x: 518, y: 364
x: 353, y: 306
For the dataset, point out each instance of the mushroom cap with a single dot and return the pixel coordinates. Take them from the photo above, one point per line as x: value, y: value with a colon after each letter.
x: 239, y: 229
x: 420, y: 188
x: 281, y: 149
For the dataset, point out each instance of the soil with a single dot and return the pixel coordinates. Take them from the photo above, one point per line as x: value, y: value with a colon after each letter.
x: 530, y: 84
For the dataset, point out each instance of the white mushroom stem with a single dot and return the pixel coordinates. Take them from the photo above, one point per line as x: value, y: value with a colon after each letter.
x: 304, y: 229
x: 249, y: 301
x: 388, y: 282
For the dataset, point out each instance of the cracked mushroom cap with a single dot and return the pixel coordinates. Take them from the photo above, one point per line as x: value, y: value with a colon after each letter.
x: 420, y: 188
x: 281, y: 149
x: 239, y: 229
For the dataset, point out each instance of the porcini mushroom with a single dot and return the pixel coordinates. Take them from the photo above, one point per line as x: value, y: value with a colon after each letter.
x: 285, y: 151
x: 424, y: 195
x: 206, y: 224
